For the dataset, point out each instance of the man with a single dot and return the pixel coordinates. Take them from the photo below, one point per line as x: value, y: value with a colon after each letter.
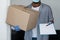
x: 45, y: 16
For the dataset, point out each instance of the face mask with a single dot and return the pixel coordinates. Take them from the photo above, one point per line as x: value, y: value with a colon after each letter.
x: 36, y: 0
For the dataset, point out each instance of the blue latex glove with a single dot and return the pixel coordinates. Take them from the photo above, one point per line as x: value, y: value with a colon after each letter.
x: 17, y: 28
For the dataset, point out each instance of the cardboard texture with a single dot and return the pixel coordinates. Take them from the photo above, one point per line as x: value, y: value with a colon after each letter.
x: 25, y: 18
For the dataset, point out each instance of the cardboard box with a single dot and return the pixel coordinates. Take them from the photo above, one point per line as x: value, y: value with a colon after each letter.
x: 26, y: 18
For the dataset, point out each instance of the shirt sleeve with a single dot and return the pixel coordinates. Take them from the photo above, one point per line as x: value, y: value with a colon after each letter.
x: 50, y: 15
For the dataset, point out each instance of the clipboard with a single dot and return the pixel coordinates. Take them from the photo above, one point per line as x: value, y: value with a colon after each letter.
x: 47, y: 30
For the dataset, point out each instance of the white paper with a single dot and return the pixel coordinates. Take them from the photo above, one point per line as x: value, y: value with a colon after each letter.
x: 47, y: 30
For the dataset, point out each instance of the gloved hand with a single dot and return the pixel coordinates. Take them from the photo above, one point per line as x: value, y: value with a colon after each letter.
x: 17, y: 28
x: 52, y: 21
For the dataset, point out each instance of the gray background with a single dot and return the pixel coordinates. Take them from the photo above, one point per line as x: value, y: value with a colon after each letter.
x: 55, y: 5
